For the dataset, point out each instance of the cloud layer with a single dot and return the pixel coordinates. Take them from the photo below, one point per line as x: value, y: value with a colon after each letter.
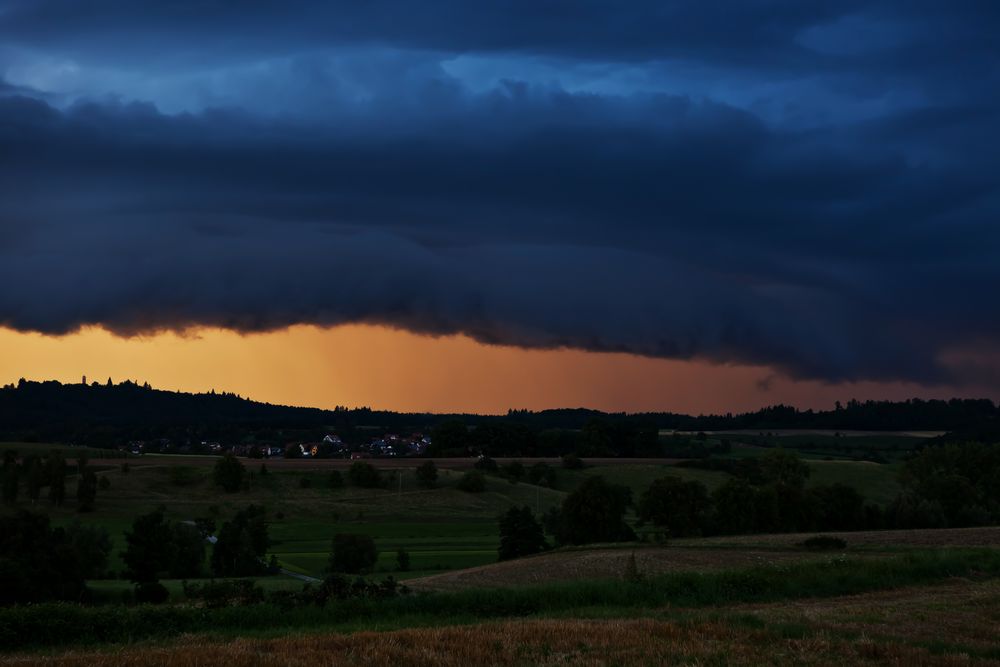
x: 810, y: 187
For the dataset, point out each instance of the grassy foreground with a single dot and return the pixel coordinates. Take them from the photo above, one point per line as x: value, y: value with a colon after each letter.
x: 50, y: 625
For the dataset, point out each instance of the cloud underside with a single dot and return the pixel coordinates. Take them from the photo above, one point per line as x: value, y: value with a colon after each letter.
x: 650, y: 221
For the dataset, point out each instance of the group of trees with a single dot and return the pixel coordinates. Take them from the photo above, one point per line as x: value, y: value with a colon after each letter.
x: 767, y: 496
x: 949, y: 486
x: 36, y: 473
x: 946, y: 486
x: 39, y: 562
x: 593, y: 512
x: 599, y: 436
x: 157, y: 547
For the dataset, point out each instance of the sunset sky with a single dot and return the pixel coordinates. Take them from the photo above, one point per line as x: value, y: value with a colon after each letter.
x: 458, y: 206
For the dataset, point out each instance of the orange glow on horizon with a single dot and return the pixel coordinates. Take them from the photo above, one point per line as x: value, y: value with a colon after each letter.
x: 363, y: 365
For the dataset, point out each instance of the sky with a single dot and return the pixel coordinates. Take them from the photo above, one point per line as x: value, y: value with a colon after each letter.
x: 445, y: 205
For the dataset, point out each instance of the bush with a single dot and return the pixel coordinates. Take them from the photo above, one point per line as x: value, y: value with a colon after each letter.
x: 472, y: 482
x: 824, y: 543
x: 573, y: 462
x: 305, y: 483
x: 335, y: 480
x: 352, y: 553
x: 104, y: 483
x: 151, y: 592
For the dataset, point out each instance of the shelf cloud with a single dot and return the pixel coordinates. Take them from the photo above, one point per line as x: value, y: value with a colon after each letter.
x: 807, y: 187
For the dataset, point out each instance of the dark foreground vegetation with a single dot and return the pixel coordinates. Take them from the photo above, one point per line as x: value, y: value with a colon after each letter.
x: 49, y: 625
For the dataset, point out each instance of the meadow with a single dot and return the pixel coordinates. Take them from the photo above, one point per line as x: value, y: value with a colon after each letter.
x: 736, y: 599
x: 441, y: 528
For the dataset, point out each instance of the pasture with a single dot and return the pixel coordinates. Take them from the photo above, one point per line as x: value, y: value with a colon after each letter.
x: 441, y: 528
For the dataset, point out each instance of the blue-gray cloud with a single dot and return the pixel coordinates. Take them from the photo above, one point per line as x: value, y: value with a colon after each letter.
x: 830, y: 211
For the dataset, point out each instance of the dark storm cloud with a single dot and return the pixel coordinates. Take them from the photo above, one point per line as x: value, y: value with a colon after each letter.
x: 590, y: 28
x: 377, y: 187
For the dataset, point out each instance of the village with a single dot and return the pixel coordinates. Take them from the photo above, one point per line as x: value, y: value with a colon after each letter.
x: 331, y: 446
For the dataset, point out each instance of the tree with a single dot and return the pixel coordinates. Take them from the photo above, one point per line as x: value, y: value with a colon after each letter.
x: 735, y: 505
x: 597, y: 437
x: 92, y: 546
x: 57, y: 478
x: 352, y: 553
x: 188, y: 550
x: 37, y: 562
x: 402, y: 560
x: 513, y: 471
x: 783, y: 468
x: 595, y: 512
x: 149, y: 547
x: 520, y: 534
x: 364, y: 475
x: 35, y: 478
x: 242, y: 544
x: 677, y: 505
x: 427, y: 475
x: 449, y: 438
x: 838, y: 507
x: 542, y: 474
x: 472, y: 482
x: 86, y: 491
x: 229, y: 473
x: 9, y: 472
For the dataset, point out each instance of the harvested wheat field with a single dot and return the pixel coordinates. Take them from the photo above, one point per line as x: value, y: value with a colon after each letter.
x: 579, y: 564
x: 537, y: 642
x: 958, y: 612
x: 929, y: 537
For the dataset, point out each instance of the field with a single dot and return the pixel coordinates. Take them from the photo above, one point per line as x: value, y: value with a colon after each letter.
x: 816, y: 635
x: 755, y: 599
x: 443, y: 529
x: 925, y: 608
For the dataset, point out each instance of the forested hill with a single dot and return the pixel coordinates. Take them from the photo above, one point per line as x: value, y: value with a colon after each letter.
x: 51, y: 411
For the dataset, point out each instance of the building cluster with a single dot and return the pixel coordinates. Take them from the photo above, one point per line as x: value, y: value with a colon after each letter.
x: 331, y: 446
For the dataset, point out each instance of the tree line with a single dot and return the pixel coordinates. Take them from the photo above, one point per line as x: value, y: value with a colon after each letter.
x: 108, y: 415
x: 950, y: 486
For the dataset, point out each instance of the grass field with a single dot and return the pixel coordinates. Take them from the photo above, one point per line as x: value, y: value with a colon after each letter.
x: 877, y: 482
x: 442, y: 528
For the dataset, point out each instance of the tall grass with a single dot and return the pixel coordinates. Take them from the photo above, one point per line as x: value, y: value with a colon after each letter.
x: 62, y: 624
